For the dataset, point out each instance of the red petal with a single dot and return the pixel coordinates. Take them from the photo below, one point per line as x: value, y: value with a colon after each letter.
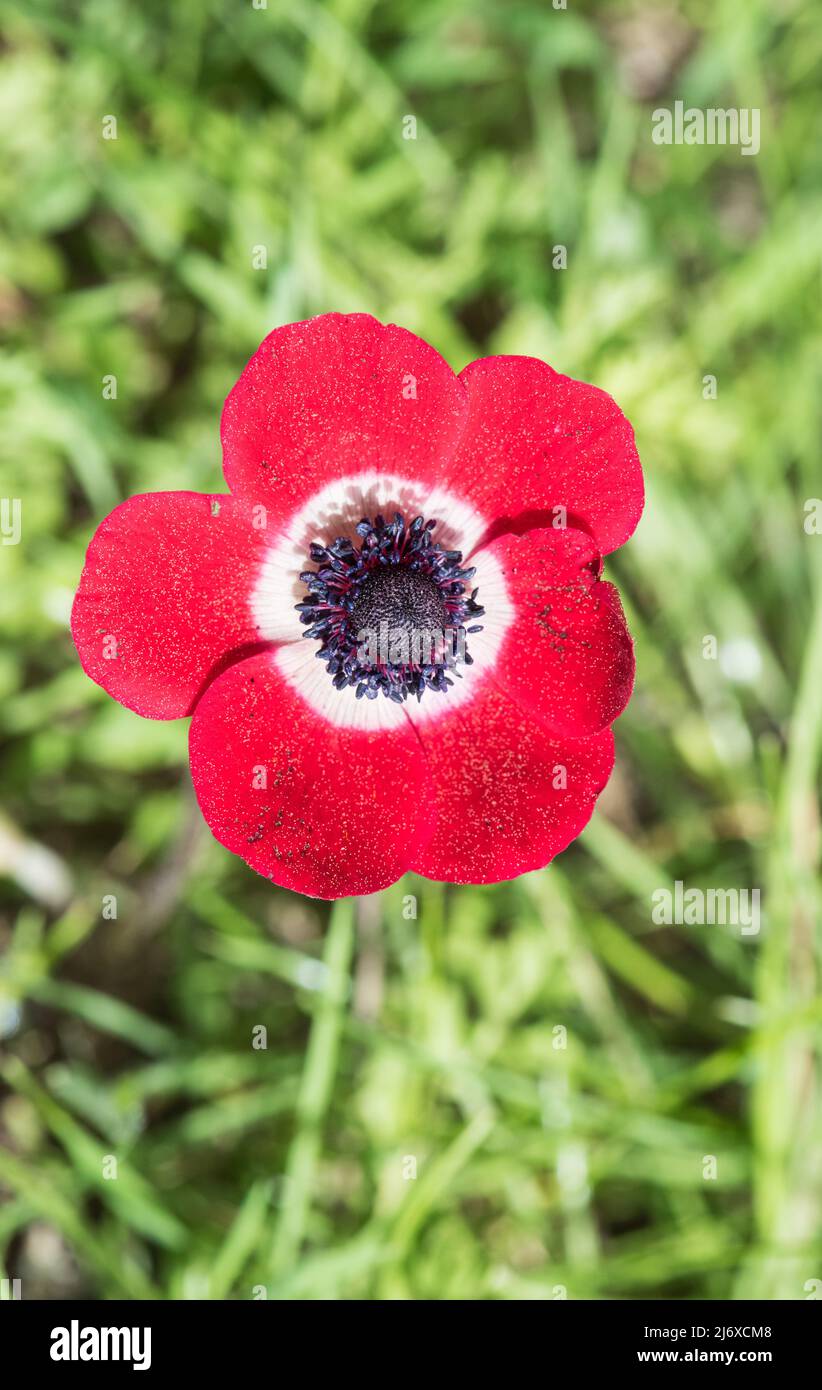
x: 536, y: 440
x: 163, y: 598
x: 337, y: 395
x: 321, y: 809
x: 567, y: 656
x: 500, y: 812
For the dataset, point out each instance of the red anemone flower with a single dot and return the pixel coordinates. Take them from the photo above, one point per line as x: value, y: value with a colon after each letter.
x: 436, y: 541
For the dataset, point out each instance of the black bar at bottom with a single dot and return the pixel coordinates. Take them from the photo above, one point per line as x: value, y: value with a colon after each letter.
x: 83, y: 1339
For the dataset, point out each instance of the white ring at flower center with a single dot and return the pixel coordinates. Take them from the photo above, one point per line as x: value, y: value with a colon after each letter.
x: 335, y: 511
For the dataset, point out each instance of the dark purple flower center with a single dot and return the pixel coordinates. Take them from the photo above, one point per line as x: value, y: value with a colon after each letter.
x: 390, y: 613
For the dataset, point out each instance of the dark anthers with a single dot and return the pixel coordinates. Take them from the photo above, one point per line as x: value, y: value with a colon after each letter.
x: 391, y: 613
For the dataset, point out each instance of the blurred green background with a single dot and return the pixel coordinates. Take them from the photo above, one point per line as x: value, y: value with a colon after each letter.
x: 557, y: 1069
